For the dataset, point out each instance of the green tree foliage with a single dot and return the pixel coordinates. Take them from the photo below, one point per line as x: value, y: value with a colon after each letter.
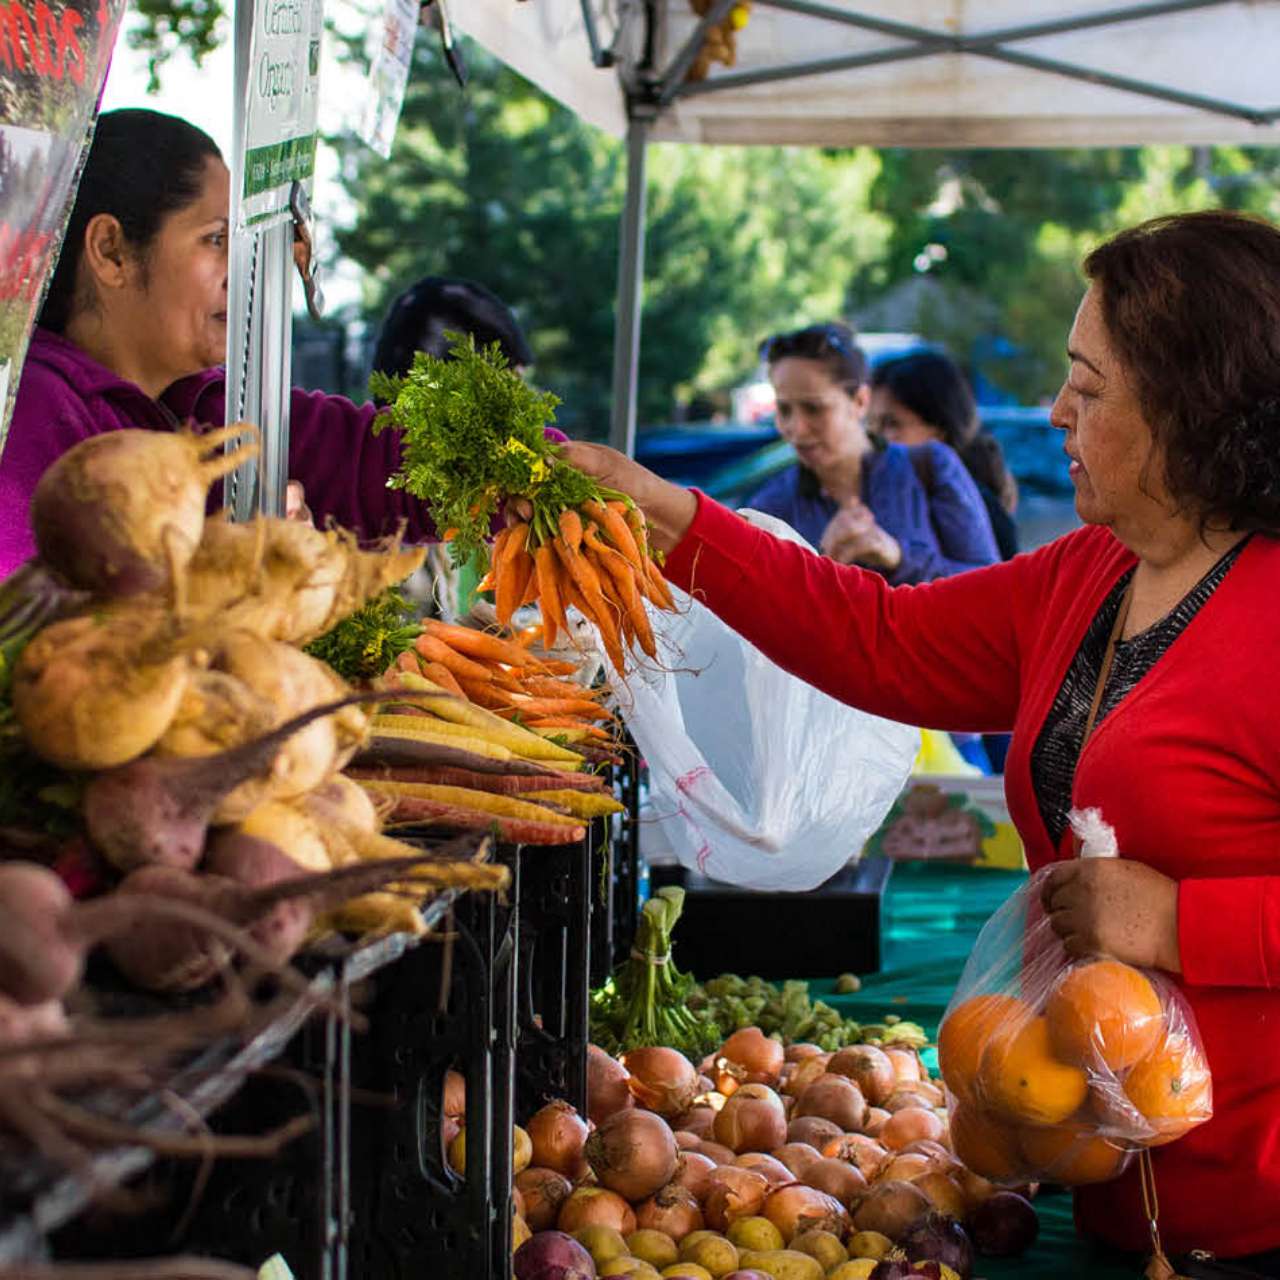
x: 503, y: 185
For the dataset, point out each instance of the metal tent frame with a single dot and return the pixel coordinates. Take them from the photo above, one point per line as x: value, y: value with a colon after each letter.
x: 651, y: 90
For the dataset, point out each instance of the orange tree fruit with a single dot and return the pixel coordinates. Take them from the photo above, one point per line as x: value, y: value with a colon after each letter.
x: 1071, y: 1155
x: 1172, y: 1089
x: 965, y: 1033
x: 985, y: 1143
x: 1104, y: 1013
x: 1022, y: 1079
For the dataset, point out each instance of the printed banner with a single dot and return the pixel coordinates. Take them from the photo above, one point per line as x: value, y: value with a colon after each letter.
x: 282, y: 97
x: 389, y: 74
x: 53, y: 61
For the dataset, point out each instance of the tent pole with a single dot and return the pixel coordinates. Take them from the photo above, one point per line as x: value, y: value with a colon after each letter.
x: 626, y: 334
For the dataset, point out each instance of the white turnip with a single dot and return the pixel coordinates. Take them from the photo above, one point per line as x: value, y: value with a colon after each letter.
x: 122, y: 512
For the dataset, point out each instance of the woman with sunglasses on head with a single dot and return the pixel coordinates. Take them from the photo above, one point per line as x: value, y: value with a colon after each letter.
x: 133, y: 333
x: 912, y: 518
x: 923, y: 397
x: 1162, y: 608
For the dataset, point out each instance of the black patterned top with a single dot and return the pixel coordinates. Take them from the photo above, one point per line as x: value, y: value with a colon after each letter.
x: 1053, y: 758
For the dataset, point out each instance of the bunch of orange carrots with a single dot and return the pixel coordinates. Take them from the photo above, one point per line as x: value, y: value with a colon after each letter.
x: 503, y: 676
x: 596, y: 559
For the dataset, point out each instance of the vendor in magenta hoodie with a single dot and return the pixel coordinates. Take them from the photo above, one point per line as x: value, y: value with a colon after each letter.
x: 134, y: 331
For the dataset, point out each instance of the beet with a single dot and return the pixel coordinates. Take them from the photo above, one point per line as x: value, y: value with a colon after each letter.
x: 553, y: 1255
x: 1004, y: 1225
x: 892, y: 1269
x: 937, y: 1238
x: 158, y: 809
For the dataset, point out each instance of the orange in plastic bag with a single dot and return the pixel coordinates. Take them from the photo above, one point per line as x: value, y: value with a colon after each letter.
x: 1058, y: 1069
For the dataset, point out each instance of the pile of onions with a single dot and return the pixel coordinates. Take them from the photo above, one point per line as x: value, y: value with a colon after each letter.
x: 671, y: 1209
x: 752, y: 1120
x: 869, y: 1068
x: 797, y: 1208
x: 596, y: 1207
x: 633, y: 1153
x: 662, y: 1080
x: 607, y: 1089
x: 542, y: 1193
x: 757, y: 1058
x: 734, y: 1193
x: 557, y: 1134
x: 834, y: 1098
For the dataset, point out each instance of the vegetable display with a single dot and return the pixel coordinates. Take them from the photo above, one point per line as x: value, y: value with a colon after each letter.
x: 874, y: 1198
x: 473, y: 438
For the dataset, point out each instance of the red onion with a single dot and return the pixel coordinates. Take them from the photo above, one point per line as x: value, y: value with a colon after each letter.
x: 553, y: 1255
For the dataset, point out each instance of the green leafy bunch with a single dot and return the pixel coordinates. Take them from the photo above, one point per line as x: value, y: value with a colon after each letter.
x: 365, y: 644
x: 472, y: 436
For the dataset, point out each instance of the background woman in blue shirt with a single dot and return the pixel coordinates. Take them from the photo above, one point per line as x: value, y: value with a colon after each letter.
x: 913, y: 515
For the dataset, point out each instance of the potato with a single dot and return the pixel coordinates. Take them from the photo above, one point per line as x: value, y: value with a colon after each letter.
x: 869, y: 1244
x: 713, y: 1252
x: 784, y: 1264
x: 823, y: 1245
x: 857, y: 1269
x: 654, y: 1247
x: 756, y: 1234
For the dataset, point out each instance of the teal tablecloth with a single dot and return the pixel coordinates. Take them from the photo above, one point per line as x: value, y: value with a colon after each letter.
x: 932, y: 915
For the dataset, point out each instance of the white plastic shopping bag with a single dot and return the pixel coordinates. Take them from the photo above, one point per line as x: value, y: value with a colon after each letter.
x: 757, y: 779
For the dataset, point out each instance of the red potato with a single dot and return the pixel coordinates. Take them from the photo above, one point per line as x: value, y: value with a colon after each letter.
x: 122, y: 513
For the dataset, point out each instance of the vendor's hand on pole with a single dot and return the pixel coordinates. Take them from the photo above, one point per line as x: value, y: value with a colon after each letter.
x: 668, y: 508
x: 1114, y: 907
x: 295, y: 503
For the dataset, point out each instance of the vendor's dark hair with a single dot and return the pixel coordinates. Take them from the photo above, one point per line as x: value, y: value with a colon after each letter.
x: 421, y: 316
x: 833, y: 344
x: 932, y: 386
x: 1191, y: 304
x: 142, y: 166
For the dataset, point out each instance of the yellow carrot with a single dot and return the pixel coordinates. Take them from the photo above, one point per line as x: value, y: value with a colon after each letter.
x: 425, y: 729
x: 581, y: 804
x: 484, y: 801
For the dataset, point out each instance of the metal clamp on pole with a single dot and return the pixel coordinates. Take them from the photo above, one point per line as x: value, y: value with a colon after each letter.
x: 304, y: 250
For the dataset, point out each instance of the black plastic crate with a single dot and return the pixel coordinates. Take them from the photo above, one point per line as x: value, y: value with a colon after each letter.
x: 615, y: 873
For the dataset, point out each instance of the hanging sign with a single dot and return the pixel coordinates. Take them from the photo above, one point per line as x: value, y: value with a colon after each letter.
x: 53, y: 61
x: 389, y: 74
x: 281, y: 98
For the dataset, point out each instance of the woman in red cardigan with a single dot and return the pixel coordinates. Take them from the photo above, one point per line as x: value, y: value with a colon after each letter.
x: 1171, y: 419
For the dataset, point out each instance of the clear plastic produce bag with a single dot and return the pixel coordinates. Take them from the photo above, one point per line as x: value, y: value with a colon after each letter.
x: 1058, y: 1070
x: 757, y: 778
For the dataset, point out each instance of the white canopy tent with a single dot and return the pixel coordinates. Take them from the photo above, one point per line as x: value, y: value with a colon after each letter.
x: 960, y: 73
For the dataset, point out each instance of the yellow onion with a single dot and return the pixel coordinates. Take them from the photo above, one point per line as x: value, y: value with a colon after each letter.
x: 633, y: 1153
x: 557, y: 1133
x: 797, y: 1156
x: 693, y: 1172
x: 733, y: 1193
x: 596, y: 1206
x: 543, y: 1192
x: 662, y: 1080
x: 752, y: 1120
x: 673, y: 1210
x: 798, y: 1208
x: 834, y: 1098
x: 814, y: 1130
x: 865, y: 1154
x: 607, y: 1089
x: 869, y: 1068
x: 836, y: 1178
x: 757, y: 1056
x: 776, y: 1173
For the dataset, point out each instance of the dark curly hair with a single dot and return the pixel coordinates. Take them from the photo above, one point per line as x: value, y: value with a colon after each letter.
x: 1191, y: 303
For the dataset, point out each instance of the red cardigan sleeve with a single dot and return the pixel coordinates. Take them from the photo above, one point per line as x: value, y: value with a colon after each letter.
x: 1229, y: 931
x: 943, y: 654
